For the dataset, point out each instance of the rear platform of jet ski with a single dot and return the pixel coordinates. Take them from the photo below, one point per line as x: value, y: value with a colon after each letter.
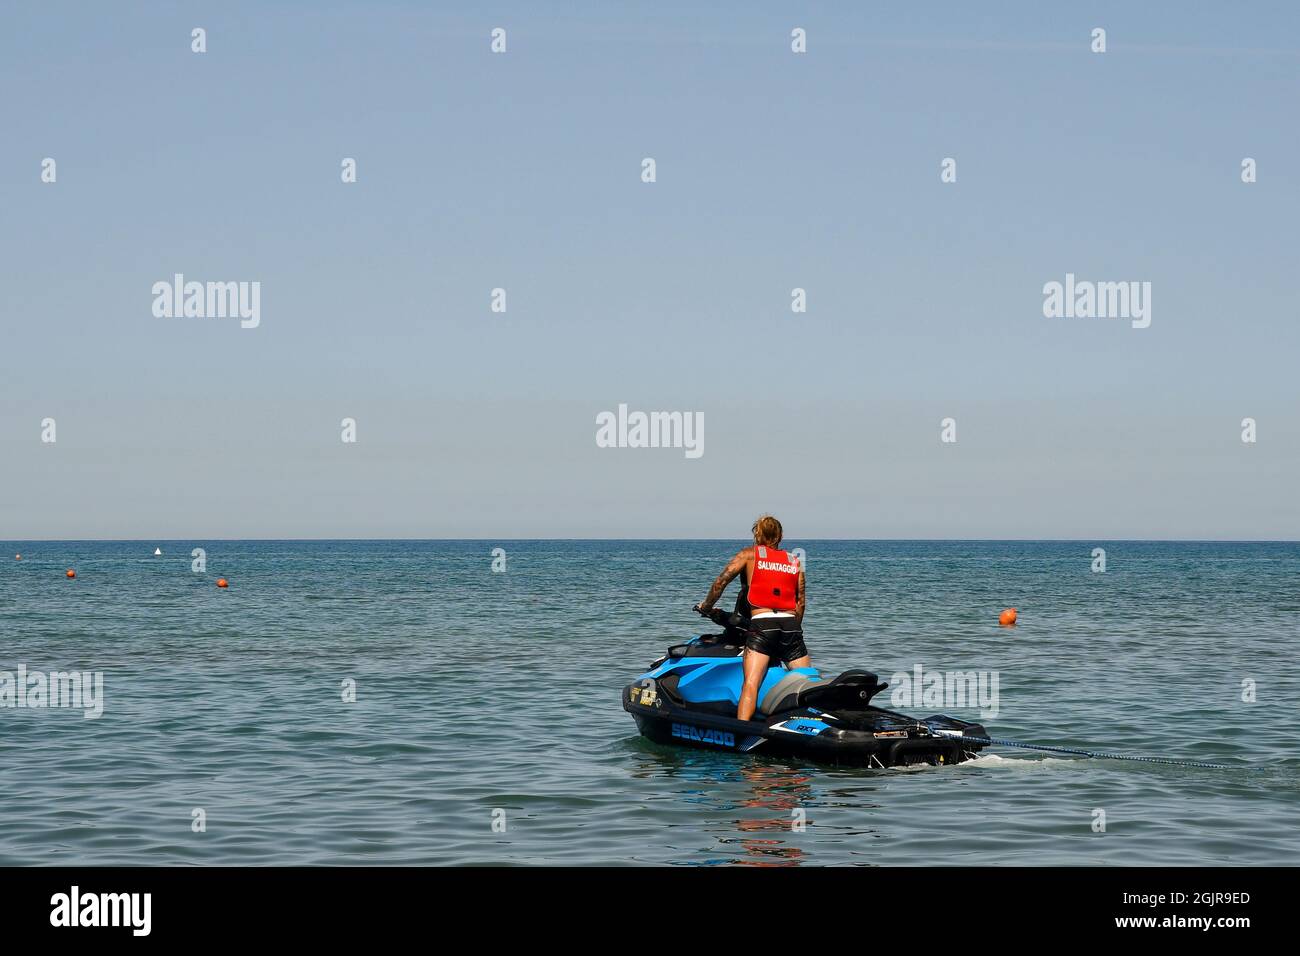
x: 689, y: 698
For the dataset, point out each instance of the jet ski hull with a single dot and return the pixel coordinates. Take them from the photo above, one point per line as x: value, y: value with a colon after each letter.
x: 689, y: 699
x: 812, y: 735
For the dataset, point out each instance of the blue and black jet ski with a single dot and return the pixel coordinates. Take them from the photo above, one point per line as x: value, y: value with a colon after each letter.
x: 689, y: 697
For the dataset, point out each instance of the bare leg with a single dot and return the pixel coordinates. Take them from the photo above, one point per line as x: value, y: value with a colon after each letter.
x: 755, y: 668
x: 804, y: 661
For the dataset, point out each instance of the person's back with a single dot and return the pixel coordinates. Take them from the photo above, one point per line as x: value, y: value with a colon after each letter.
x: 773, y: 586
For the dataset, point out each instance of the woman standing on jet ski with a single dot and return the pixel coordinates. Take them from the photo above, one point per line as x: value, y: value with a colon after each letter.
x: 772, y: 588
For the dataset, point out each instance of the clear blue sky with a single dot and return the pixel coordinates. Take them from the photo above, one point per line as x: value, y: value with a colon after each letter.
x: 774, y: 171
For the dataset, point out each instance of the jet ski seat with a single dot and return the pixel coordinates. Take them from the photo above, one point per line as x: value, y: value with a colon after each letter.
x: 788, y: 686
x: 853, y: 688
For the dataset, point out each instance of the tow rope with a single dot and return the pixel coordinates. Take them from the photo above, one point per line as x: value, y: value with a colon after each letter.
x: 1096, y: 754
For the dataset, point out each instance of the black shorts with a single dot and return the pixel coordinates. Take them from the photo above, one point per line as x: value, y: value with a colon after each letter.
x: 780, y: 638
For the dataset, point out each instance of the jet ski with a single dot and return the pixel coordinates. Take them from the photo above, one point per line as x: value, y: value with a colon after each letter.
x: 689, y: 697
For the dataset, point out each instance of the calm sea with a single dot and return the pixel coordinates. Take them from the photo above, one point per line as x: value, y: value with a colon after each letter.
x: 483, y: 696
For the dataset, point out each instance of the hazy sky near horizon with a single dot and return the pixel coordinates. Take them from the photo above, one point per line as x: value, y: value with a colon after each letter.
x: 775, y: 170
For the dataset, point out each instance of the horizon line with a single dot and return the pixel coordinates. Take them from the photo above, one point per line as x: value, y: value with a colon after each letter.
x: 709, y: 539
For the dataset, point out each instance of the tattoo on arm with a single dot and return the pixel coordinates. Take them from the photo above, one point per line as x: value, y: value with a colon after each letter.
x: 728, y: 574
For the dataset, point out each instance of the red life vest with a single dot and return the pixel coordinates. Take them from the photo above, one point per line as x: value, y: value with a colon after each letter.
x: 775, y: 582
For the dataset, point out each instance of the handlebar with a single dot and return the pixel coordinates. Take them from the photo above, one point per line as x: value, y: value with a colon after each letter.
x: 727, y: 619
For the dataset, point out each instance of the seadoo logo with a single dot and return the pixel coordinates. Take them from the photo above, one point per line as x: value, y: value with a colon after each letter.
x: 720, y: 737
x: 102, y: 909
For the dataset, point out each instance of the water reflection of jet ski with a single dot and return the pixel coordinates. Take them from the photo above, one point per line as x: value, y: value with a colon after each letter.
x: 689, y: 697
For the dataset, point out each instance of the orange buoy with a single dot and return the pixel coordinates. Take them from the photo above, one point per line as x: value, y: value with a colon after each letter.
x: 222, y: 583
x: 1008, y: 617
x: 18, y: 557
x: 71, y: 573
